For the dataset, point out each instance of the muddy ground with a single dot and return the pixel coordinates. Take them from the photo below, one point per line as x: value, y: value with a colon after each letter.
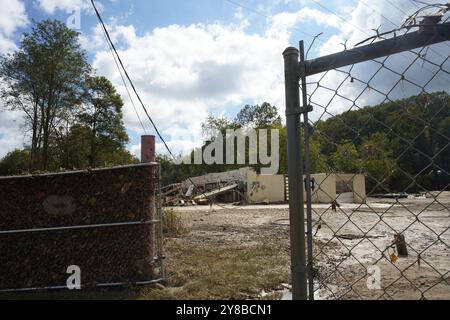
x: 348, y: 242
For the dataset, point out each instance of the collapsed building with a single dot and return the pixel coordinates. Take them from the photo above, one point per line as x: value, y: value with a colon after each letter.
x: 247, y: 186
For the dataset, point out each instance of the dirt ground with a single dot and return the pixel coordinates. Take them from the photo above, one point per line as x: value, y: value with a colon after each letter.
x: 350, y: 240
x: 249, y: 248
x: 357, y: 237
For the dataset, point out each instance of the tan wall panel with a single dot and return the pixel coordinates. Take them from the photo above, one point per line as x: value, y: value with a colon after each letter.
x: 267, y: 188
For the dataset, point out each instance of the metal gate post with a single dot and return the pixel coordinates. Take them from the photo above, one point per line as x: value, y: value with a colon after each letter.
x: 295, y: 165
x: 307, y: 108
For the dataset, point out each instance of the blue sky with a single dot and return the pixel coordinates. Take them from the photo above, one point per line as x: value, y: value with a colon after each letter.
x: 189, y: 58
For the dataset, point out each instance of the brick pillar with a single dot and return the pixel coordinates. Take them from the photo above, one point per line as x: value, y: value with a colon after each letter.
x: 148, y: 155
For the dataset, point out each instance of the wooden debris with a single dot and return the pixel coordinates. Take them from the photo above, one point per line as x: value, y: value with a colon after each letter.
x: 400, y: 243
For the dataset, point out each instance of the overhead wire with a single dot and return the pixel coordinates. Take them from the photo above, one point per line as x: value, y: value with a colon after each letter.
x: 125, y: 83
x: 240, y: 5
x: 129, y: 79
x: 111, y: 43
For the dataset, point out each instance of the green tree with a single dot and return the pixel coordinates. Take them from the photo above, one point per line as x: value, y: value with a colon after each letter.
x: 15, y: 162
x: 259, y: 116
x: 378, y: 162
x: 346, y: 158
x: 73, y: 148
x: 318, y: 160
x: 214, y: 125
x: 44, y: 80
x: 103, y: 116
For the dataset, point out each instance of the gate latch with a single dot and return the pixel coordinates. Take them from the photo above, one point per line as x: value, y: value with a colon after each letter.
x: 299, y: 110
x: 312, y: 184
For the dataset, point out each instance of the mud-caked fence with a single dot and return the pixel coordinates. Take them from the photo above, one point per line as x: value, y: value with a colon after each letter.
x: 104, y: 224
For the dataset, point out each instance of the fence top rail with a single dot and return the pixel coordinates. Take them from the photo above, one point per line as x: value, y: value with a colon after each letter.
x: 86, y: 171
x: 440, y: 33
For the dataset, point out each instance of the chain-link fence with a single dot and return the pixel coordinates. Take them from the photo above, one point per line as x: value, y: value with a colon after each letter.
x: 381, y: 110
x: 105, y: 224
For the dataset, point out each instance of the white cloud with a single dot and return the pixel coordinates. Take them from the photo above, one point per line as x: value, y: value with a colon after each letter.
x: 185, y: 72
x: 284, y: 21
x: 10, y: 135
x: 359, y: 22
x: 6, y: 44
x: 51, y: 6
x: 13, y: 17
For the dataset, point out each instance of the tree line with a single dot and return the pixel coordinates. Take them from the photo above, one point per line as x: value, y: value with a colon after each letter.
x: 400, y: 146
x: 72, y: 118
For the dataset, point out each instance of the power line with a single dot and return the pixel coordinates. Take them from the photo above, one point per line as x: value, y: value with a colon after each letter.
x: 343, y: 19
x: 124, y: 83
x: 129, y: 79
x: 265, y: 16
x: 381, y: 14
x: 415, y: 3
x: 399, y: 8
x: 135, y: 91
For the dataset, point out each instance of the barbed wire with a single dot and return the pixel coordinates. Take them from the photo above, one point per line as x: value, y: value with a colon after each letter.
x: 412, y: 22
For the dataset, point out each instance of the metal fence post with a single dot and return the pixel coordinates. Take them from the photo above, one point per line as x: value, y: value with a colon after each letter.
x: 307, y: 161
x: 295, y: 165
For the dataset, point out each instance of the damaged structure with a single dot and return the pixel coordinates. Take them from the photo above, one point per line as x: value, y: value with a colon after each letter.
x: 247, y: 186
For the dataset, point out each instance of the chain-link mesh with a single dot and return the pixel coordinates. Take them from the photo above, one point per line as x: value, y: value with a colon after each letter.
x: 107, y: 222
x: 380, y: 130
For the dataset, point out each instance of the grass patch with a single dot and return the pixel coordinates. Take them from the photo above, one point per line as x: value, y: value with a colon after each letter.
x: 172, y: 224
x: 221, y: 272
